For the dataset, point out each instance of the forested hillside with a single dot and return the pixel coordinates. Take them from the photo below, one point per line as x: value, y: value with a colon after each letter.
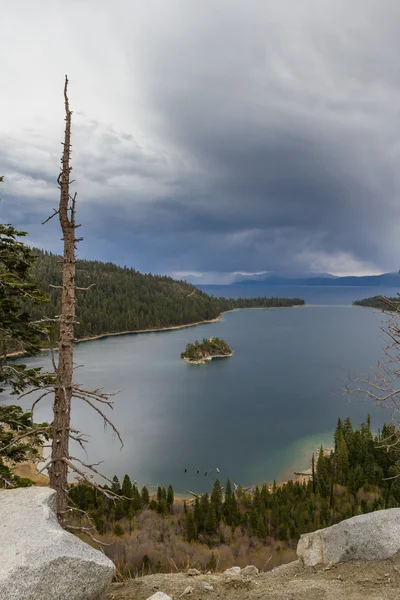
x: 388, y: 304
x: 359, y: 476
x: 122, y: 299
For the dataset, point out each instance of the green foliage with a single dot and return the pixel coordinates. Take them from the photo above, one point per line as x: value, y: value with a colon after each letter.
x: 216, y: 499
x: 212, y: 563
x: 356, y: 473
x: 388, y: 304
x: 170, y: 497
x: 122, y: 299
x: 342, y: 461
x: 323, y: 478
x: 14, y: 423
x: 145, y: 496
x: 191, y: 528
x: 20, y: 297
x: 18, y: 332
x: 118, y: 530
x: 146, y: 565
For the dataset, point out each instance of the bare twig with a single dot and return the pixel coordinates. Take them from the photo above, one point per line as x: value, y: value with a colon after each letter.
x: 30, y: 432
x: 56, y: 212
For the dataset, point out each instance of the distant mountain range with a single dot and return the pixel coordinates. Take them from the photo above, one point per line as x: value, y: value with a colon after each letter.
x: 272, y: 278
x: 325, y: 279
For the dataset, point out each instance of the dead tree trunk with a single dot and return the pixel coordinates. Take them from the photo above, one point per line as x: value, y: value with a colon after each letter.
x: 64, y: 373
x: 60, y: 461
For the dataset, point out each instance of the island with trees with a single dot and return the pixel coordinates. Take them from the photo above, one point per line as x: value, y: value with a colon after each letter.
x: 198, y: 353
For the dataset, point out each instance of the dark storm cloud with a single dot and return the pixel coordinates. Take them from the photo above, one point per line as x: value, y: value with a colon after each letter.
x: 222, y: 137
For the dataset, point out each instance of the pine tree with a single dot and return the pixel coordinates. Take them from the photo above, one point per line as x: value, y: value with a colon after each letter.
x: 162, y: 508
x: 115, y: 487
x: 230, y: 506
x: 145, y: 495
x: 342, y: 461
x: 211, y: 520
x: 146, y: 565
x: 197, y: 516
x: 338, y: 431
x: 20, y: 294
x: 254, y: 520
x: 190, y: 528
x: 170, y: 497
x: 216, y: 499
x: 348, y: 433
x: 127, y: 489
x: 212, y: 563
x: 261, y: 529
x: 14, y: 422
x: 323, y: 479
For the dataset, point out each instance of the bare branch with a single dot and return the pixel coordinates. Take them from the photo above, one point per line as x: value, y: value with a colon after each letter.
x: 104, y: 417
x: 87, y: 531
x: 108, y: 493
x: 85, y: 289
x: 39, y: 399
x: 46, y: 466
x: 56, y: 212
x: 8, y: 483
x: 91, y: 467
x: 30, y: 432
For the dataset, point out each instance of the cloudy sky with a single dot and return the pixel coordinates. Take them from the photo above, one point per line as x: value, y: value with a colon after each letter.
x: 212, y: 135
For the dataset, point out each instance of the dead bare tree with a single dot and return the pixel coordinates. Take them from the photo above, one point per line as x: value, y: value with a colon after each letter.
x: 382, y: 384
x: 60, y: 461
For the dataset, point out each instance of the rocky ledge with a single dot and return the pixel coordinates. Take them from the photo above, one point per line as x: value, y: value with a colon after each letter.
x: 41, y: 561
x: 355, y: 559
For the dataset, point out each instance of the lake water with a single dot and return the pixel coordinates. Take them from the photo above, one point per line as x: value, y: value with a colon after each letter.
x: 256, y: 416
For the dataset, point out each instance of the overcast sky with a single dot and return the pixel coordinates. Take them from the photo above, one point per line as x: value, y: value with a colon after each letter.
x: 208, y: 135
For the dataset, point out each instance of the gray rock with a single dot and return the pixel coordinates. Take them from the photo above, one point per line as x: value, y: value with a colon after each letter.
x: 159, y: 596
x: 374, y: 536
x: 41, y: 561
x: 205, y: 586
x: 188, y: 590
x: 233, y: 571
x: 249, y: 571
x: 193, y: 572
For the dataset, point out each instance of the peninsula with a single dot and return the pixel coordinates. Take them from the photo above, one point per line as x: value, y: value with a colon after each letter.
x: 381, y: 302
x: 199, y: 353
x: 121, y: 300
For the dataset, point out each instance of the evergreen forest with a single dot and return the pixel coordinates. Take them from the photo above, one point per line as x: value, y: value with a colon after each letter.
x: 357, y: 476
x: 387, y: 304
x: 122, y: 299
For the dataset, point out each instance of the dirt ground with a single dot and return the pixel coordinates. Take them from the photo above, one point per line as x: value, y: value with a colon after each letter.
x: 348, y: 581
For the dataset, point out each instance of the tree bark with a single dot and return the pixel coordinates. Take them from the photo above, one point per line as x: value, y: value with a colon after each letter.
x: 63, y: 388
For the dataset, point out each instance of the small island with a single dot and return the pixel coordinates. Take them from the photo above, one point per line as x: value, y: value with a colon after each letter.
x: 198, y: 353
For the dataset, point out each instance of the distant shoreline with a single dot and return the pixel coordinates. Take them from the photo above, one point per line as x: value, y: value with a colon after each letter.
x: 172, y: 327
x: 159, y: 329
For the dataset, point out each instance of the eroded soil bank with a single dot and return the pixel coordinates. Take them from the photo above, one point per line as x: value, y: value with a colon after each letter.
x: 349, y: 581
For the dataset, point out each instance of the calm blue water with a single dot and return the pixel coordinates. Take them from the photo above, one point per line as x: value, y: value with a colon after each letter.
x: 256, y: 416
x: 311, y: 294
